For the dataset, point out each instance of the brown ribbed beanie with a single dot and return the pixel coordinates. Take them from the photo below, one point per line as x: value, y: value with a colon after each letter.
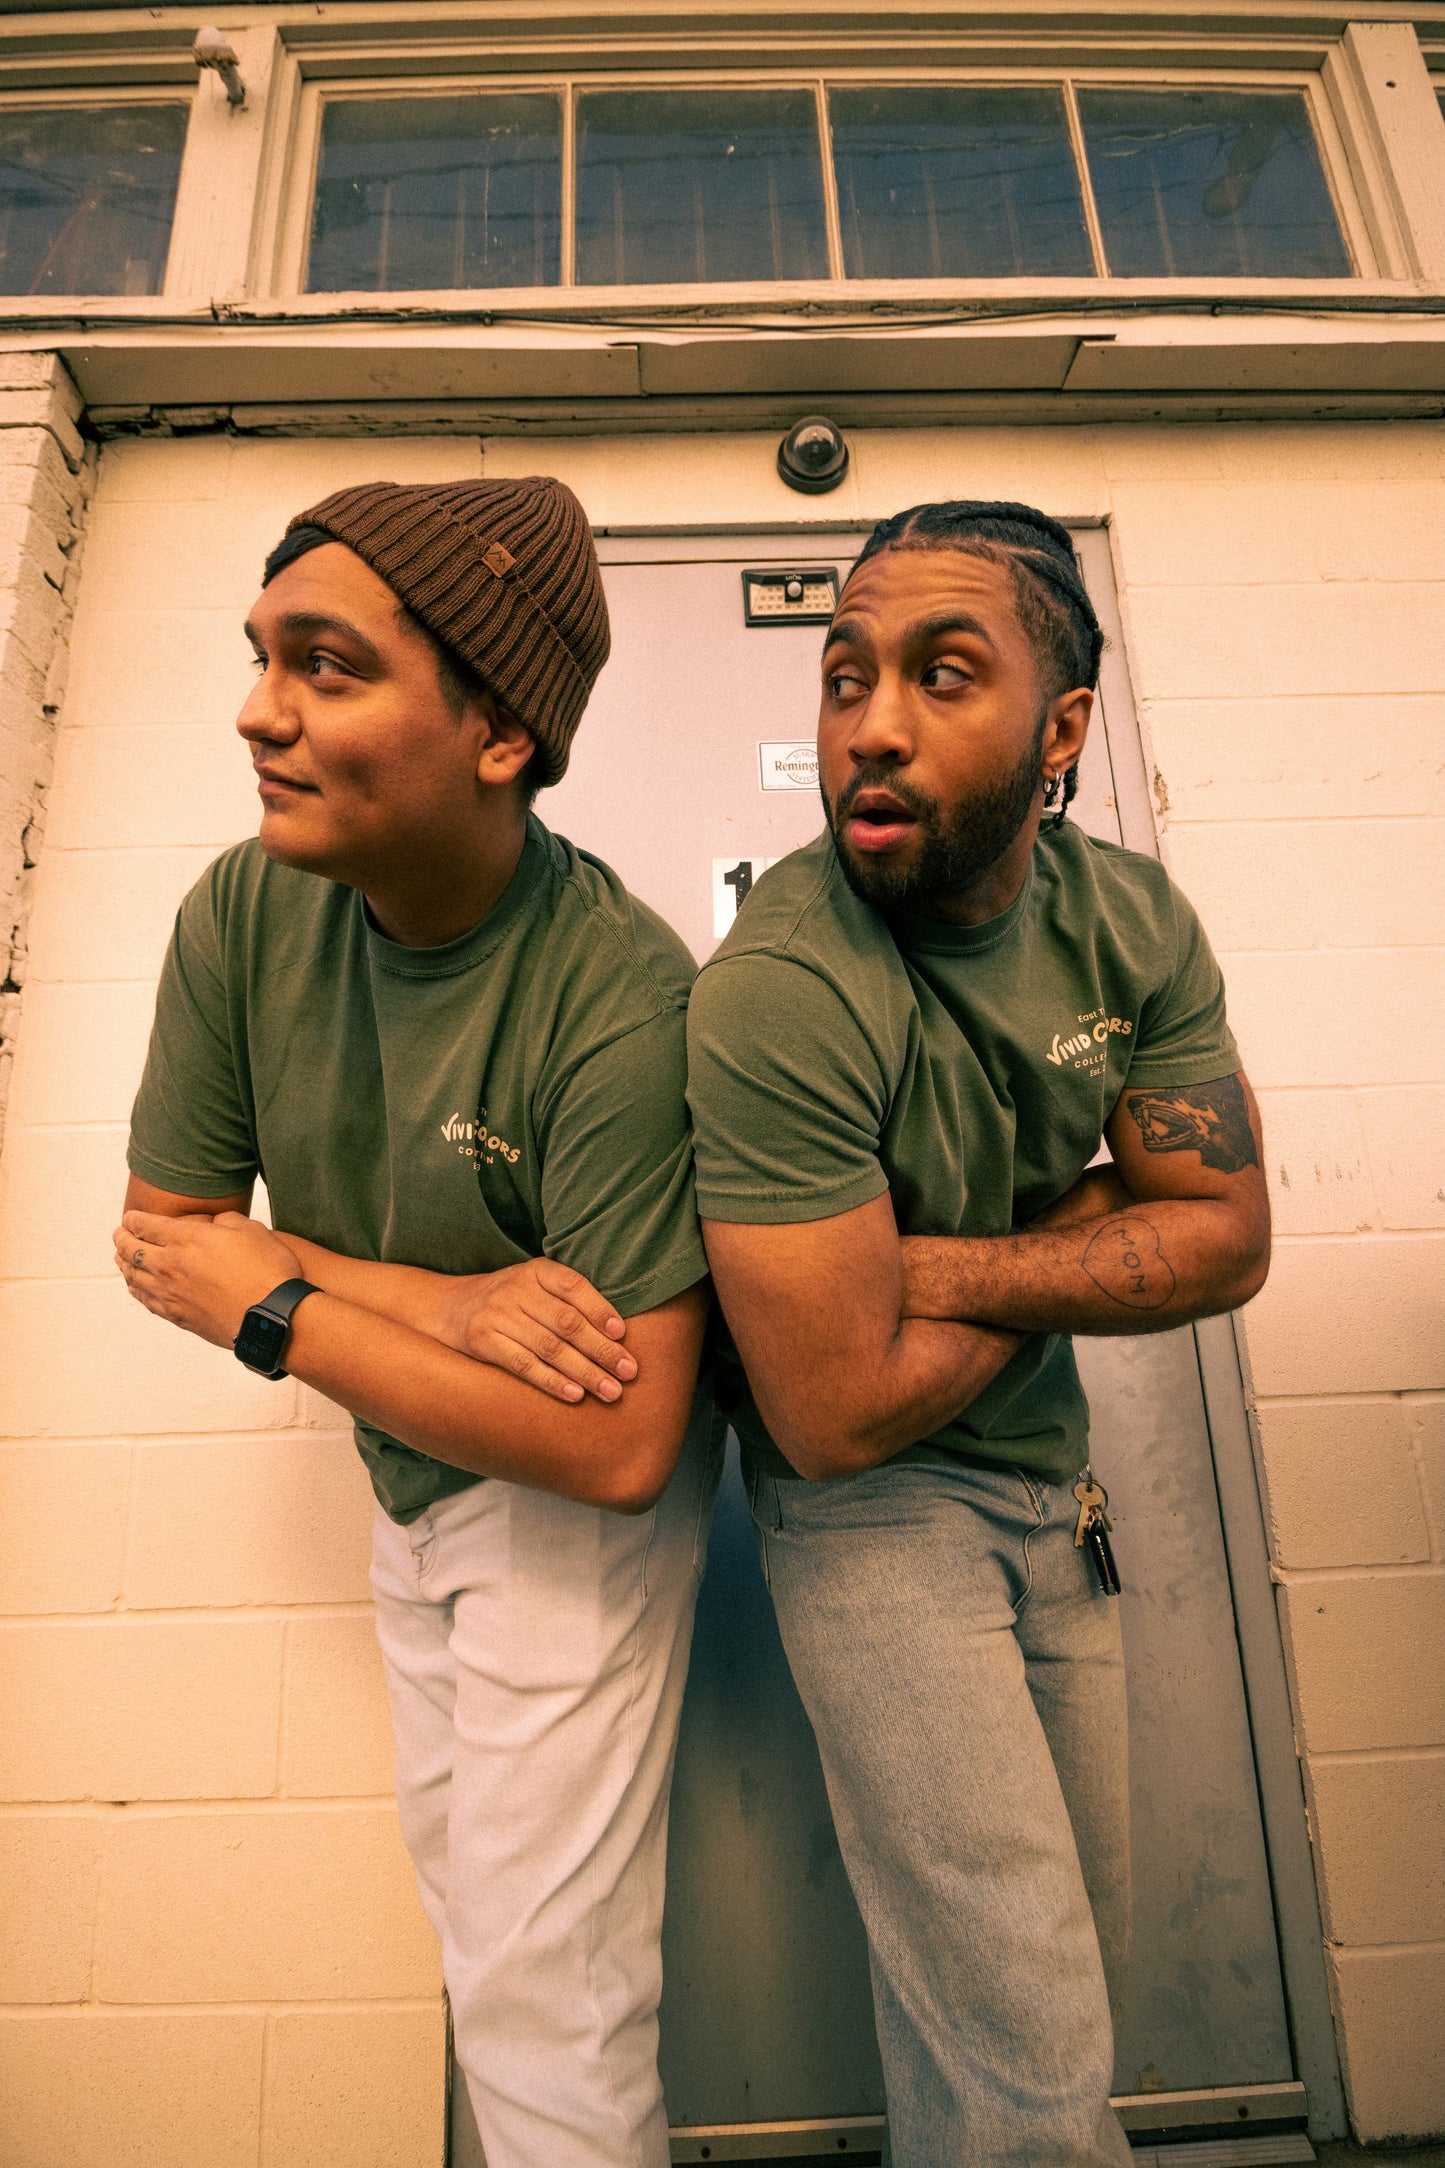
x: 504, y: 573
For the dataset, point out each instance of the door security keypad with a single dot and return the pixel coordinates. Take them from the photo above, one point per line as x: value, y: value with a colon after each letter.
x: 790, y: 595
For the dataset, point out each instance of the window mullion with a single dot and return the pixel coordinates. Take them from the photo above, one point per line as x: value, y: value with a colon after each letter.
x: 569, y: 184
x: 831, y: 211
x: 1086, y: 185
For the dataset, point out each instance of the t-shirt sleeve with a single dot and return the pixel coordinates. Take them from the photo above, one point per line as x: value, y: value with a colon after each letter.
x: 788, y: 1095
x: 191, y: 1129
x: 617, y: 1187
x: 1184, y: 1036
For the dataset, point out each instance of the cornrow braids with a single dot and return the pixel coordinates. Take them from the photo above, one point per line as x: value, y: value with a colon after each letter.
x: 1053, y: 604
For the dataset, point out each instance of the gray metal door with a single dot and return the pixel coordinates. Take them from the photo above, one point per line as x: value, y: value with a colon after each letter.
x: 766, y: 2020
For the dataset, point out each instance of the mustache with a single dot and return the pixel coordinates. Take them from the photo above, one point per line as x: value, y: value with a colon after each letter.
x: 881, y: 777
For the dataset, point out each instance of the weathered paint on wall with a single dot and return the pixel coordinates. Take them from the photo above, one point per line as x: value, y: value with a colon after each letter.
x: 202, y: 1862
x: 46, y: 476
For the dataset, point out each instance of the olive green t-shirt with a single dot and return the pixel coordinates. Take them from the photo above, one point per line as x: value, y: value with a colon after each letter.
x: 834, y: 1054
x: 516, y: 1093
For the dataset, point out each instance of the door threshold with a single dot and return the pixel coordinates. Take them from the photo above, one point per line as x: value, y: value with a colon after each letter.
x: 1261, y: 2152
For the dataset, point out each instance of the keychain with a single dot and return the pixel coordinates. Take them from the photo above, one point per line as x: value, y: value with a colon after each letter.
x: 1093, y: 1530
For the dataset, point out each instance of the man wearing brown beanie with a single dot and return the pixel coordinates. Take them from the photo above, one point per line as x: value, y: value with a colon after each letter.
x: 454, y: 1047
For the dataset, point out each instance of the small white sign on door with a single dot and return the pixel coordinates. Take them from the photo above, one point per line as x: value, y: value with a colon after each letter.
x: 788, y: 764
x: 732, y: 878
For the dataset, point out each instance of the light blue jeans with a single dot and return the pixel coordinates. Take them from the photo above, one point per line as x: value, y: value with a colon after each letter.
x: 964, y: 1677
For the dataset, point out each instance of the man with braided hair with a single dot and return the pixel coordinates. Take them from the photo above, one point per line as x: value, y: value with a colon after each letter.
x: 902, y: 1063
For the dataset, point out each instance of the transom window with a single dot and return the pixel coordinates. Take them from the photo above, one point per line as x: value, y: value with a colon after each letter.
x: 87, y: 196
x: 623, y: 186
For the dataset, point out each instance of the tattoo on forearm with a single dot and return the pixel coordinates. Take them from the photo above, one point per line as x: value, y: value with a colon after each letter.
x: 1124, y: 1260
x: 1210, y: 1119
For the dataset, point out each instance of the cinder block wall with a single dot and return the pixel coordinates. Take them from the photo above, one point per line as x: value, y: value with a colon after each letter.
x: 212, y: 1925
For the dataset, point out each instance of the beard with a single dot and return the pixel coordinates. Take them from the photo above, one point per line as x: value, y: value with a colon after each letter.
x: 953, y: 849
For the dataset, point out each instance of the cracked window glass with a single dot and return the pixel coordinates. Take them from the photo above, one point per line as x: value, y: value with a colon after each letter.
x: 692, y: 187
x: 420, y: 194
x: 87, y: 195
x: 957, y: 182
x: 1210, y: 184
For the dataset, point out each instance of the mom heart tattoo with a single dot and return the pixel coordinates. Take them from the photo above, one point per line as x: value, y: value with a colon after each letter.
x: 1125, y: 1262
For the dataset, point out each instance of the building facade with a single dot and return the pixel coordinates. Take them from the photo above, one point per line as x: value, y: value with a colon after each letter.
x: 1178, y: 278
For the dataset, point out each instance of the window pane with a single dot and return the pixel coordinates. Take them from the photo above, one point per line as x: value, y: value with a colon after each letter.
x: 438, y: 192
x: 945, y: 183
x: 86, y: 197
x: 1210, y: 184
x: 680, y: 187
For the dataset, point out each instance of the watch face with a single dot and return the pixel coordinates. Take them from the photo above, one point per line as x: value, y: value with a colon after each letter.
x: 261, y: 1341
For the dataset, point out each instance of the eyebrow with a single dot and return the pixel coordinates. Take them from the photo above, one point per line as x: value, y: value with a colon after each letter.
x: 301, y: 623
x: 851, y: 634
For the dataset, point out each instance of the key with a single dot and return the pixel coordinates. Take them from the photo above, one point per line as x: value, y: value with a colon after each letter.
x: 1096, y: 1535
x: 1092, y: 1499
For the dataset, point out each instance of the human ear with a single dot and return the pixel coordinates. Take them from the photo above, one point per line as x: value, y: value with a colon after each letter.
x: 1066, y: 729
x: 505, y: 749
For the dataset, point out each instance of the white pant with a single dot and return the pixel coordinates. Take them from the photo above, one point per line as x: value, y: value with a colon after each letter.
x: 535, y: 1653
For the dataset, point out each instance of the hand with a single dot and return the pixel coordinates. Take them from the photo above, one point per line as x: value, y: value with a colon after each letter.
x: 542, y: 1322
x: 200, y: 1273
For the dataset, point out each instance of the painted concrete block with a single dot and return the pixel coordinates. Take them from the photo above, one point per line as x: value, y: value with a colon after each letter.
x: 165, y: 470
x: 1381, y: 1892
x: 1426, y: 1419
x: 260, y: 1520
x: 282, y: 1904
x: 1362, y: 1017
x: 153, y: 665
x: 356, y: 2089
x: 1368, y: 1659
x: 337, y: 1729
x: 1364, y: 1314
x: 184, y: 786
x: 1405, y: 1138
x: 1060, y: 470
x: 104, y: 914
x: 1314, y: 884
x: 154, y: 1709
x: 49, y: 1881
x: 664, y: 479
x: 132, y: 2088
x: 1342, y: 1482
x: 99, y: 1365
x: 1330, y: 638
x: 1392, y: 2003
x: 1315, y: 1162
x: 1185, y: 533
x: 81, y: 1052
x: 61, y: 1192
x: 286, y: 476
x: 63, y: 1508
x: 177, y: 553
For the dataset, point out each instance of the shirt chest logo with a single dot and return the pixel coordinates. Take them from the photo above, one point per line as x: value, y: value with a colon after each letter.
x: 1085, y: 1047
x: 475, y: 1141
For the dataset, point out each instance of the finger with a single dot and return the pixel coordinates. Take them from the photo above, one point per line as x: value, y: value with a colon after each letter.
x: 570, y: 1325
x: 522, y: 1363
x: 548, y: 1348
x: 149, y: 1226
x: 563, y: 1280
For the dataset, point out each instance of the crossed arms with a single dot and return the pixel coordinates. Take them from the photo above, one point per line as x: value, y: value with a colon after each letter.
x: 857, y: 1343
x: 526, y: 1374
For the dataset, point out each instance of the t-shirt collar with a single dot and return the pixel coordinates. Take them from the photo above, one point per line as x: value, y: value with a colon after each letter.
x: 934, y: 936
x: 474, y: 946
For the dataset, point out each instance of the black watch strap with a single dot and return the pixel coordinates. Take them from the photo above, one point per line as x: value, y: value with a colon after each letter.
x: 282, y: 1300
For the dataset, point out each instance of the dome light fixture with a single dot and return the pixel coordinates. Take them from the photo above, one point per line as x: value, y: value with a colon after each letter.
x: 813, y: 457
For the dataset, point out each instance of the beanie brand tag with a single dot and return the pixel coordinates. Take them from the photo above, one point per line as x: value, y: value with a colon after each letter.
x: 498, y: 560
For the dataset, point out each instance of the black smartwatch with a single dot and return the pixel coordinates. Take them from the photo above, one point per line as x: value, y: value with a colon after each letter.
x: 266, y: 1328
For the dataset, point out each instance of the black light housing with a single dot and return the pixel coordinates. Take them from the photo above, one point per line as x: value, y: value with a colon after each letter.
x: 813, y: 456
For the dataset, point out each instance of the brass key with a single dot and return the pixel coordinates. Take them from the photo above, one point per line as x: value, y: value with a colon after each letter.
x: 1093, y: 1498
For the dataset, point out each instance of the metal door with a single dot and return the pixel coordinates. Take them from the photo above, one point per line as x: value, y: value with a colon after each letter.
x: 690, y: 772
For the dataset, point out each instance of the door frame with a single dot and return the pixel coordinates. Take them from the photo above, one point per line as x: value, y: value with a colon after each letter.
x: 1223, y: 1371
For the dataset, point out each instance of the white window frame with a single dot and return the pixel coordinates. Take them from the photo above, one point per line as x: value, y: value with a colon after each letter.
x: 293, y: 183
